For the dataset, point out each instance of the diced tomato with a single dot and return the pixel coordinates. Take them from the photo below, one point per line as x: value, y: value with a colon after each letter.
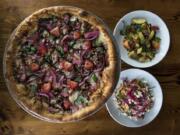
x: 42, y: 50
x: 76, y: 35
x: 72, y: 84
x: 87, y: 45
x: 66, y: 65
x: 34, y: 66
x: 55, y: 31
x: 46, y: 87
x: 66, y: 104
x: 88, y: 64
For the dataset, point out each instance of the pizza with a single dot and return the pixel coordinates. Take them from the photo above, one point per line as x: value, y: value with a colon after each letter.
x: 61, y: 63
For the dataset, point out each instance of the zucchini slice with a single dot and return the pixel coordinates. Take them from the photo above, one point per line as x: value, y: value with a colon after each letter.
x: 138, y: 20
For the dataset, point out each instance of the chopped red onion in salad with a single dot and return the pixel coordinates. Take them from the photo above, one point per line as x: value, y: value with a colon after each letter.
x: 134, y: 98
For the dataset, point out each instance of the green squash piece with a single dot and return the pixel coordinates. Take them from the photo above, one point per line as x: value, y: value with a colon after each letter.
x: 151, y: 34
x: 138, y: 20
x: 141, y: 37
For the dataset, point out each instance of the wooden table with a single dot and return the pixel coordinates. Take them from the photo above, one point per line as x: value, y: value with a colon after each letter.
x: 12, y: 12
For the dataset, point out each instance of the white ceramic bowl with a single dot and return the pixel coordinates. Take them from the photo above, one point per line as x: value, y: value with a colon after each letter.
x: 113, y: 107
x: 163, y: 33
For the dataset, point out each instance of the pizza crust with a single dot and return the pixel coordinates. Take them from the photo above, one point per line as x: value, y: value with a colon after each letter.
x: 109, y: 77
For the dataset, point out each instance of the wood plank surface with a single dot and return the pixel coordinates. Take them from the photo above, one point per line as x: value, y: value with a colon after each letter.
x: 12, y: 12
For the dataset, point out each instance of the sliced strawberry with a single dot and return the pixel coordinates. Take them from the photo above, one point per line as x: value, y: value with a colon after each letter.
x: 76, y: 35
x: 72, y: 84
x: 34, y: 66
x: 66, y: 104
x: 55, y: 31
x: 42, y: 50
x: 87, y: 45
x: 88, y: 64
x: 46, y: 87
x: 66, y: 65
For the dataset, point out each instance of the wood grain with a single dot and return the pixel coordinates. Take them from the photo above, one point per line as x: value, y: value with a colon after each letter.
x: 12, y: 12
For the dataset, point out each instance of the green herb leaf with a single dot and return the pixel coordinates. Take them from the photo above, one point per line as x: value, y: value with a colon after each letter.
x: 94, y: 78
x: 77, y: 79
x: 71, y: 44
x: 60, y: 51
x: 47, y: 58
x: 33, y: 49
x: 157, y: 39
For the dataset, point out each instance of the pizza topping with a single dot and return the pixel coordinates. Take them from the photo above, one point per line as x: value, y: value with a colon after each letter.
x: 76, y: 35
x: 42, y: 49
x: 87, y: 45
x: 66, y: 104
x: 61, y: 63
x: 72, y: 84
x: 55, y: 31
x: 34, y: 67
x: 88, y: 64
x: 67, y: 65
x: 91, y: 35
x: 46, y: 87
x: 22, y: 77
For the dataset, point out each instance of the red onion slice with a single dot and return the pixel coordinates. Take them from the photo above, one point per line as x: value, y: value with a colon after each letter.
x: 43, y: 95
x: 91, y: 35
